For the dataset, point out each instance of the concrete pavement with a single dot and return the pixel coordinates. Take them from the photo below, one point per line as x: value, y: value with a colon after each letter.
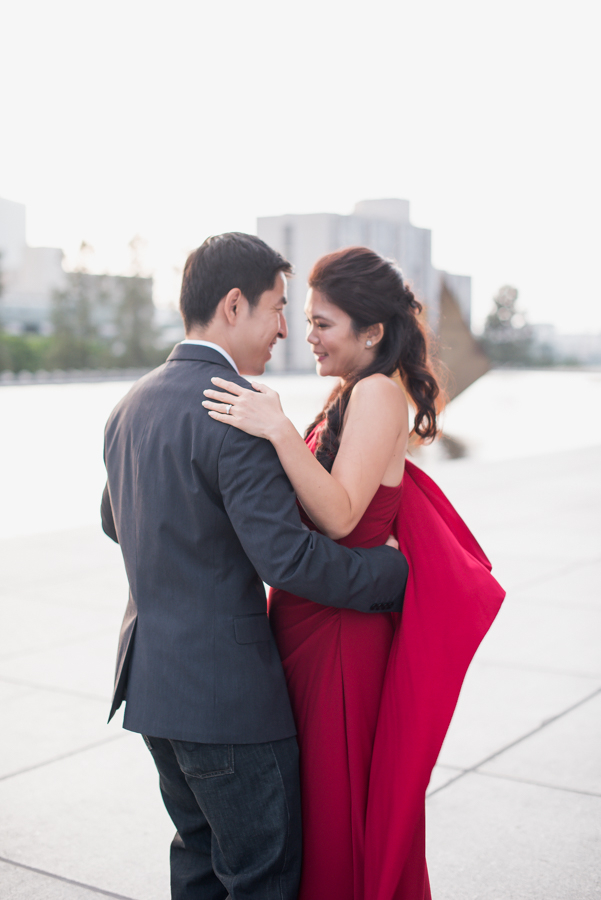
x: 514, y: 810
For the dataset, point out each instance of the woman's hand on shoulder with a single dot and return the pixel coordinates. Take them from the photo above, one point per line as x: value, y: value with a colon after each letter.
x: 257, y: 412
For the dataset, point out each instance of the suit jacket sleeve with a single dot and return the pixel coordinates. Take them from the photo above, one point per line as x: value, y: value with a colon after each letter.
x: 106, y: 513
x: 261, y: 506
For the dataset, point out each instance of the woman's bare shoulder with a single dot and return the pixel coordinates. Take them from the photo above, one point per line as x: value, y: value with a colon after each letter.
x: 379, y: 388
x: 379, y: 400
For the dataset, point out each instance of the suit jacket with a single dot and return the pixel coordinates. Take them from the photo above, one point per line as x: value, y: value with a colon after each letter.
x: 204, y: 513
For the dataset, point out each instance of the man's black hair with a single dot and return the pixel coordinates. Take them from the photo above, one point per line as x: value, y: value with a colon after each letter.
x: 224, y: 262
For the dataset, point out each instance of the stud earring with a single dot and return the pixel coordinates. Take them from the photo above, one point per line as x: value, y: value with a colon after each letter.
x: 368, y: 343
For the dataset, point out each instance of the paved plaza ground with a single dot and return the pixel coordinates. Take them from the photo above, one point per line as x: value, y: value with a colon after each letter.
x: 514, y: 810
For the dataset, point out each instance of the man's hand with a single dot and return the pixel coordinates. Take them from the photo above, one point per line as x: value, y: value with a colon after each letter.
x: 392, y: 542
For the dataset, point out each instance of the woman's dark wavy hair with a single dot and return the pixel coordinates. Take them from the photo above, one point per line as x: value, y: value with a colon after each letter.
x: 370, y: 289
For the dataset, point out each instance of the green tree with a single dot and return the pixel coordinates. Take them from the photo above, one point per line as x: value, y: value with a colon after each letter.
x: 76, y: 341
x: 20, y: 352
x: 5, y: 361
x: 507, y: 337
x: 134, y: 314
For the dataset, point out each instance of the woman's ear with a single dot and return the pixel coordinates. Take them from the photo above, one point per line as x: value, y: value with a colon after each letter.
x: 374, y: 334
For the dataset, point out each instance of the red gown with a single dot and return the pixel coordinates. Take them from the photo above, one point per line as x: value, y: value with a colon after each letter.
x: 373, y: 696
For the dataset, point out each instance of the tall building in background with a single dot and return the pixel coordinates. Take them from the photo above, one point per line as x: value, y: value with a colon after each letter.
x: 30, y: 275
x: 384, y: 226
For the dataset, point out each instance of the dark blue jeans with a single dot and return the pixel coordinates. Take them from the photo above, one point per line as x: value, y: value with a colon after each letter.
x: 236, y: 808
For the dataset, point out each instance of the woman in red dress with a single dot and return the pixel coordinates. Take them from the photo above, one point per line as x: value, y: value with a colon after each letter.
x: 372, y: 695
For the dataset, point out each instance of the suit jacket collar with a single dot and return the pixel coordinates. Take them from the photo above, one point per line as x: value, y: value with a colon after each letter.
x: 200, y: 354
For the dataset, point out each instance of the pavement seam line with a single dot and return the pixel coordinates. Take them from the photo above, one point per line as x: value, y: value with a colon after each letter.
x: 81, y: 884
x: 552, y: 787
x: 519, y: 740
x: 54, y: 690
x: 49, y: 762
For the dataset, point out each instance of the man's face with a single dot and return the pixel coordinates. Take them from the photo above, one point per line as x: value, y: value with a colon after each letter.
x: 259, y: 328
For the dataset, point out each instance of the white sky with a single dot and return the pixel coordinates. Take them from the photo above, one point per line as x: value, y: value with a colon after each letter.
x: 180, y: 119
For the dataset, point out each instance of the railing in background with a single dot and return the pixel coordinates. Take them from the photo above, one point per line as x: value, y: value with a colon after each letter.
x: 70, y: 376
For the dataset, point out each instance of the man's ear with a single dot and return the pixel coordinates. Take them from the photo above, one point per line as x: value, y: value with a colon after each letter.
x: 231, y: 305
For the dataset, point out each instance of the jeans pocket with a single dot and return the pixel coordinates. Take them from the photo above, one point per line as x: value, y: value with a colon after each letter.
x: 204, y: 760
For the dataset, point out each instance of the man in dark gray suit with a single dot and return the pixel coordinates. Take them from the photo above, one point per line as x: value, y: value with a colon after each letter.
x: 204, y: 514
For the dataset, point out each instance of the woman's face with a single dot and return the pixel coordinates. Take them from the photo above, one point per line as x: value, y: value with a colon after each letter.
x: 336, y: 347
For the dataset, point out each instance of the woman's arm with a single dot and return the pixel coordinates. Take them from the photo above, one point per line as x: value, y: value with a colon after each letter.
x: 375, y: 427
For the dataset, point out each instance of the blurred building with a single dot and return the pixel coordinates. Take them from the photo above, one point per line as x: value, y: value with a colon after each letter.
x: 169, y: 324
x: 565, y: 349
x: 105, y: 296
x: 384, y: 226
x: 31, y: 276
